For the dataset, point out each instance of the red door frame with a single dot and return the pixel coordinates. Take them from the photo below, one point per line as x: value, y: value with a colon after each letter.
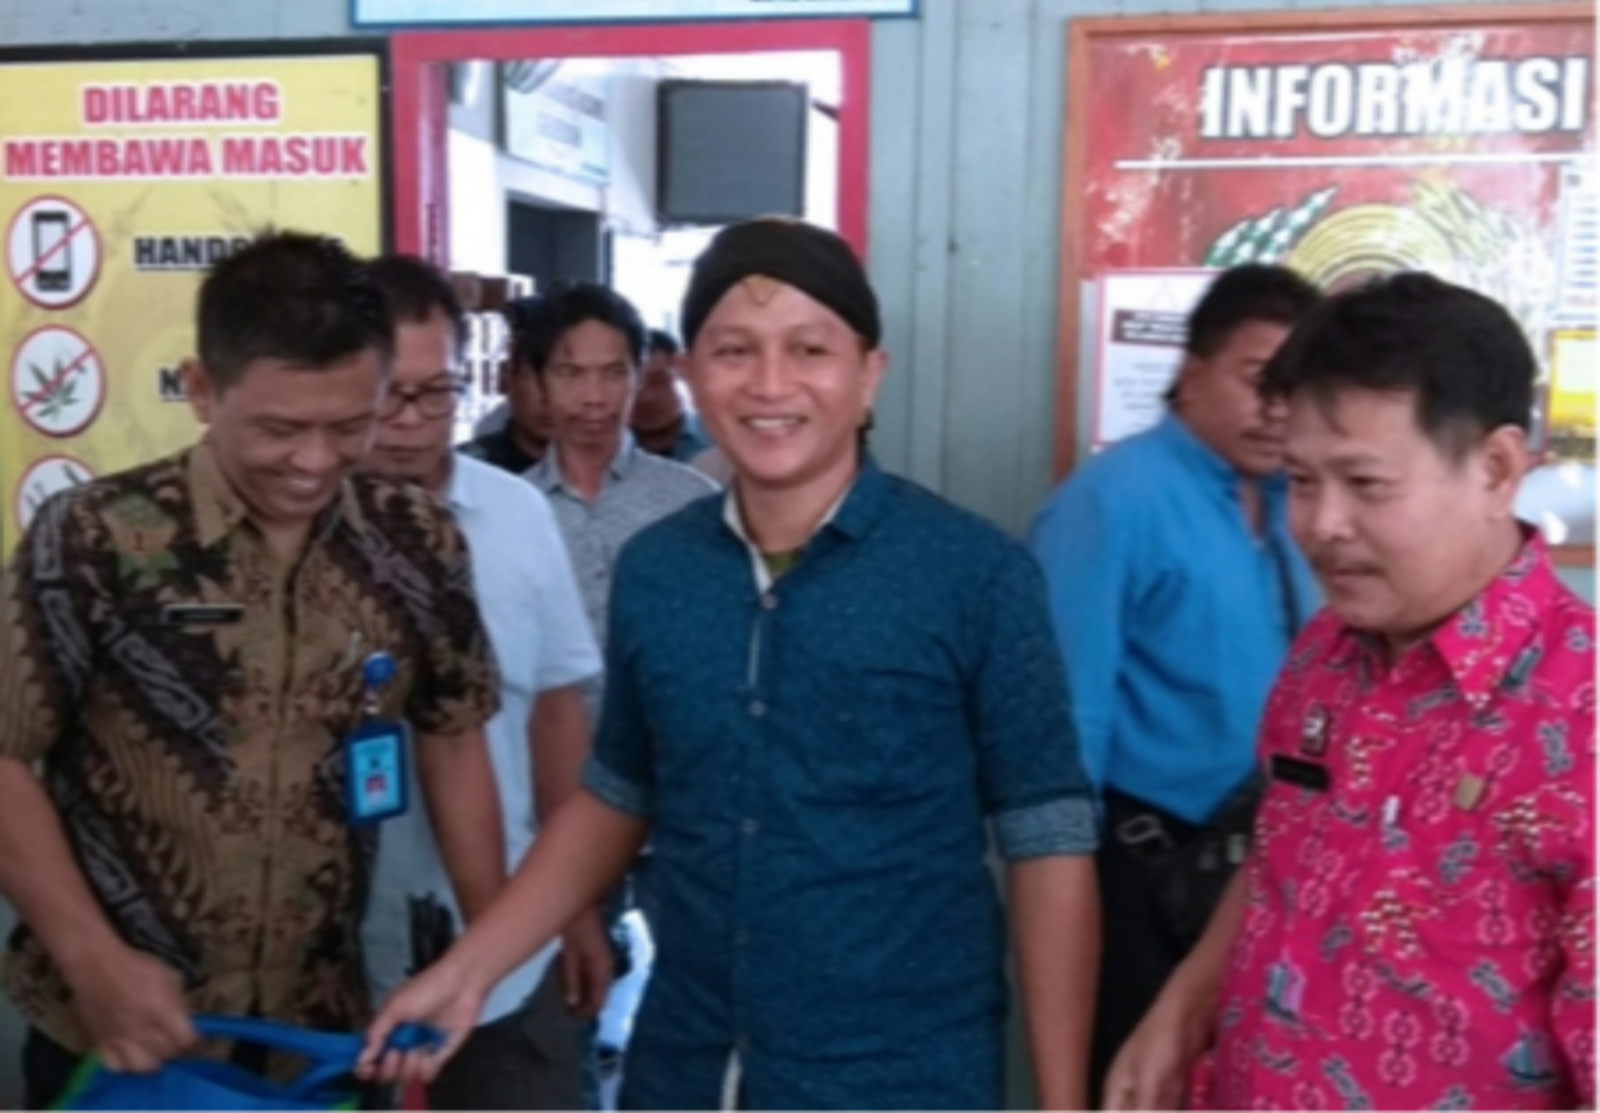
x: 420, y: 108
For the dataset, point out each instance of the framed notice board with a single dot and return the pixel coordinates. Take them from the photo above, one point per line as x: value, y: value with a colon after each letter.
x: 1458, y: 140
x: 125, y: 173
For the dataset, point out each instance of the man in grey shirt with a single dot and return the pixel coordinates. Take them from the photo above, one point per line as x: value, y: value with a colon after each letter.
x: 585, y: 343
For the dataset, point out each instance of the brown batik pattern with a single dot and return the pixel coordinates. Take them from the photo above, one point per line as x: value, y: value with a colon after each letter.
x: 198, y: 768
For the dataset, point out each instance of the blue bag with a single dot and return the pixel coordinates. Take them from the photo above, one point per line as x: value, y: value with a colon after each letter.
x: 207, y: 1084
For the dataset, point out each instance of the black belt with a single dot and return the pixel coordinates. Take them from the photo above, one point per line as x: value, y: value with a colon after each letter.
x: 1188, y: 866
x: 1153, y: 834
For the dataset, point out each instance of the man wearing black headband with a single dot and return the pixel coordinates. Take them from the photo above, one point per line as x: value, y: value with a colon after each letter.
x: 824, y: 692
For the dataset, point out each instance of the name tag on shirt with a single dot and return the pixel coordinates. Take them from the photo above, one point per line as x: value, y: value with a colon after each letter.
x: 1297, y: 771
x: 202, y: 614
x: 376, y: 785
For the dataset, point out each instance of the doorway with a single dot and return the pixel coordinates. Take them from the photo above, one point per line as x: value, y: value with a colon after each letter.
x: 422, y: 71
x: 527, y: 157
x: 552, y: 245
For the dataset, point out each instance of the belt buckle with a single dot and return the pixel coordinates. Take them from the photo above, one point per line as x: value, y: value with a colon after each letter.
x: 1141, y: 829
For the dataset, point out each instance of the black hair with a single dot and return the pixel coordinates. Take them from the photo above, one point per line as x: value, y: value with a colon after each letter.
x: 540, y: 327
x: 1243, y: 295
x: 1461, y: 354
x: 516, y: 310
x: 290, y: 296
x: 416, y: 289
x: 663, y: 343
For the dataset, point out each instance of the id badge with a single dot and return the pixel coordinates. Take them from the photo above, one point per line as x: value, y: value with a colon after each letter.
x: 375, y: 771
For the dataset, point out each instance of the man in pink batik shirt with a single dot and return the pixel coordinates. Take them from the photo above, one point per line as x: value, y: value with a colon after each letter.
x: 1415, y: 928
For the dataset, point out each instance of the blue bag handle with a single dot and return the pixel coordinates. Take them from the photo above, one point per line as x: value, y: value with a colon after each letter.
x: 332, y: 1053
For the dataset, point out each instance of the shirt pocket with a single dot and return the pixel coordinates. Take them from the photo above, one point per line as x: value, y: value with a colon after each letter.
x: 892, y: 730
x: 331, y: 655
x: 193, y: 662
x: 1443, y: 898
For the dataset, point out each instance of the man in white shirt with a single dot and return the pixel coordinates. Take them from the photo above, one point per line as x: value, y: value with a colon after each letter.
x: 525, y: 1053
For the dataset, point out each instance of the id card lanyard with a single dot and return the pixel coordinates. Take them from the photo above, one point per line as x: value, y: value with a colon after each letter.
x: 377, y: 784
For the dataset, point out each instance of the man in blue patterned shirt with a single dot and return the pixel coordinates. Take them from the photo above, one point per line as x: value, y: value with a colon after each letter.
x: 823, y: 692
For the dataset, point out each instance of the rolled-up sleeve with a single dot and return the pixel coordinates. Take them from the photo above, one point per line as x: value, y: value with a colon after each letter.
x: 1035, y: 790
x: 621, y: 770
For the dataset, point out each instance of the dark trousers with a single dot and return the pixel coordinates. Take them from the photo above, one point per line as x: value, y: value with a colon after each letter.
x: 529, y: 1059
x: 47, y: 1067
x: 47, y: 1070
x: 1142, y: 940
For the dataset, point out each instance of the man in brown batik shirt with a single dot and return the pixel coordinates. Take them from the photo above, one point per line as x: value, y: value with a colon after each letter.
x: 181, y: 657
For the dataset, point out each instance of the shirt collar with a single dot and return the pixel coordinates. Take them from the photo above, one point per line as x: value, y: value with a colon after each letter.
x: 547, y: 472
x: 460, y: 493
x: 1195, y: 452
x: 219, y: 510
x: 1483, y: 643
x: 853, y: 515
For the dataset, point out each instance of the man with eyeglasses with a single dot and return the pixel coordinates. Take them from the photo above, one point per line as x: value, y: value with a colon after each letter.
x: 525, y: 1052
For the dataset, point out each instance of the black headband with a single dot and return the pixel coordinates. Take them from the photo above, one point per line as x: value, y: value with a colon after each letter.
x: 814, y: 261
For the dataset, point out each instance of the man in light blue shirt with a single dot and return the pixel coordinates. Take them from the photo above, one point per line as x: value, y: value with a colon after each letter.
x: 1176, y: 592
x: 525, y: 1052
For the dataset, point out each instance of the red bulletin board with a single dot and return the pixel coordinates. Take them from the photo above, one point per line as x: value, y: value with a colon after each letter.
x: 1343, y: 144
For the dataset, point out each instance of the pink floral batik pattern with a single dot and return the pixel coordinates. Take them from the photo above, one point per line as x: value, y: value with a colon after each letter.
x: 1419, y: 933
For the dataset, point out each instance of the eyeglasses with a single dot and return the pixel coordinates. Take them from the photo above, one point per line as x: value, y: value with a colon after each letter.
x: 431, y: 401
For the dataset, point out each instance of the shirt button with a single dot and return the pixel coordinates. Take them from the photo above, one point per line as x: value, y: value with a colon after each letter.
x: 749, y: 826
x: 758, y: 709
x: 769, y: 602
x: 741, y: 1042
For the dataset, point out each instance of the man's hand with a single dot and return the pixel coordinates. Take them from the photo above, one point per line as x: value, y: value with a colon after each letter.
x: 1151, y: 1070
x: 445, y: 997
x: 587, y: 965
x: 133, y: 1006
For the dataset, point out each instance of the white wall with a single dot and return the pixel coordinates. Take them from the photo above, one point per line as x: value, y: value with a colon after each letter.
x: 483, y: 178
x: 630, y: 197
x: 653, y: 269
x: 477, y: 206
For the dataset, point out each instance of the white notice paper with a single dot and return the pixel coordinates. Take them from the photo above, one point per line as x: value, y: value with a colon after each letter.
x: 1143, y: 317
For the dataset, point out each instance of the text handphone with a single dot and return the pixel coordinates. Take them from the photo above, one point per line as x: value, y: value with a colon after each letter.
x: 52, y: 256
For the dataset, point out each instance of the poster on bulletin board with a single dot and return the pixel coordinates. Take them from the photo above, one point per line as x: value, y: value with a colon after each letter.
x: 1142, y: 328
x: 122, y: 180
x: 1345, y: 145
